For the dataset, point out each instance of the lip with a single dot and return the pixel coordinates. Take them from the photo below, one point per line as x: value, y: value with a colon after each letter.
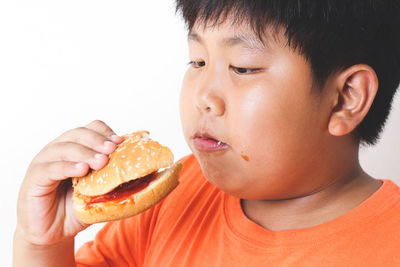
x: 205, y: 142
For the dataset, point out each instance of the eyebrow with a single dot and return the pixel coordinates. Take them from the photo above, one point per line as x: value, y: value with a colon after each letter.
x: 245, y: 40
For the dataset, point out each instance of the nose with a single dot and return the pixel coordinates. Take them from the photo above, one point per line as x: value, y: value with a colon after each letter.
x: 209, y: 97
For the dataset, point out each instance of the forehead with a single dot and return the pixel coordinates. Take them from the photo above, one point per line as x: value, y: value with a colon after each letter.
x: 230, y: 34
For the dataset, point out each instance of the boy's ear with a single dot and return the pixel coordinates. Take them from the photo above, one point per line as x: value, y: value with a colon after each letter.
x: 356, y: 88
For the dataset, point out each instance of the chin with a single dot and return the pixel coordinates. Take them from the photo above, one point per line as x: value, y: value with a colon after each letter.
x: 225, y: 180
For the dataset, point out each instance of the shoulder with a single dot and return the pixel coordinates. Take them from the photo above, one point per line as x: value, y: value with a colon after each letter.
x: 383, y: 228
x: 390, y: 193
x: 386, y: 208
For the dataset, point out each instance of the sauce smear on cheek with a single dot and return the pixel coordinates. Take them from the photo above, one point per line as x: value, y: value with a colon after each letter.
x: 246, y: 158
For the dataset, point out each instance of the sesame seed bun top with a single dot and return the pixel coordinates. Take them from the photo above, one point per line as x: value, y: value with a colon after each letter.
x: 134, y: 158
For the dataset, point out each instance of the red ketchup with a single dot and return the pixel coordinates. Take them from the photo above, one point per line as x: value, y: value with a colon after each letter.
x: 123, y: 191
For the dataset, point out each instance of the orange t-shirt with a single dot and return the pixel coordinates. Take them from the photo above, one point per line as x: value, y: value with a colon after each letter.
x: 199, y: 225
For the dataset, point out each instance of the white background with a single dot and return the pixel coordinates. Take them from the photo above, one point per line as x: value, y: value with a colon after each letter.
x: 66, y: 63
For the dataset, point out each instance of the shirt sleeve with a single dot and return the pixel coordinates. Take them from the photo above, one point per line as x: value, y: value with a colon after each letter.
x: 120, y: 243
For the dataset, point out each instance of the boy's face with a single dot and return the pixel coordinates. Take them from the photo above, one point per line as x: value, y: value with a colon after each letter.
x: 259, y: 104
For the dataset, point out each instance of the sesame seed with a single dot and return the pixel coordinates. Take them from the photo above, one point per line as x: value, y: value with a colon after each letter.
x: 123, y: 173
x: 147, y: 158
x: 127, y: 163
x: 153, y: 154
x: 129, y: 168
x: 137, y: 165
x: 123, y: 156
x: 139, y: 158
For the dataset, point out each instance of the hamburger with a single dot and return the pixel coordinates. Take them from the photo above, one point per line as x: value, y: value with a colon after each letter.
x: 139, y: 174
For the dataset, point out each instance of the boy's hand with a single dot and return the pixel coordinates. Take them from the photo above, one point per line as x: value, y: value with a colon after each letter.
x: 45, y: 213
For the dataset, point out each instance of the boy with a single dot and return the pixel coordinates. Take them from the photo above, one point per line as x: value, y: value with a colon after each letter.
x: 277, y: 99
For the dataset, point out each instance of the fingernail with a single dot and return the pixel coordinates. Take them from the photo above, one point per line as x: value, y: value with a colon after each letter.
x: 99, y: 155
x: 79, y: 165
x: 107, y: 143
x: 115, y: 137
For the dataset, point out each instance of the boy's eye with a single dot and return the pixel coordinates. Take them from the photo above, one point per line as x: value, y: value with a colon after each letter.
x: 239, y: 70
x: 197, y: 64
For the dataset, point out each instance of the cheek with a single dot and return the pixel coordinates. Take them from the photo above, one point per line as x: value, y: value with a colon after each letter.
x: 186, y: 104
x: 275, y: 126
x: 258, y: 120
x: 276, y: 114
x: 276, y: 132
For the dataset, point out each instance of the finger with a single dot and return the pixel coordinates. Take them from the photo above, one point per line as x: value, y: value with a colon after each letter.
x: 101, y: 127
x: 47, y: 175
x: 89, y: 138
x: 71, y: 217
x: 70, y: 151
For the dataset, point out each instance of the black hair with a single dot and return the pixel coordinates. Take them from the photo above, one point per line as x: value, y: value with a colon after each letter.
x: 331, y: 34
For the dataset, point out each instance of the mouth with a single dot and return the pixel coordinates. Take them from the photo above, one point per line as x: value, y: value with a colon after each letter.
x: 205, y: 142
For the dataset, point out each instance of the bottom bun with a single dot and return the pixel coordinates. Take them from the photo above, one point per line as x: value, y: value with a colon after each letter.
x: 158, y: 188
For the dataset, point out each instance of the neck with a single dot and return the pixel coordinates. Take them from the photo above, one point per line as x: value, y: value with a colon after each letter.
x: 348, y: 189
